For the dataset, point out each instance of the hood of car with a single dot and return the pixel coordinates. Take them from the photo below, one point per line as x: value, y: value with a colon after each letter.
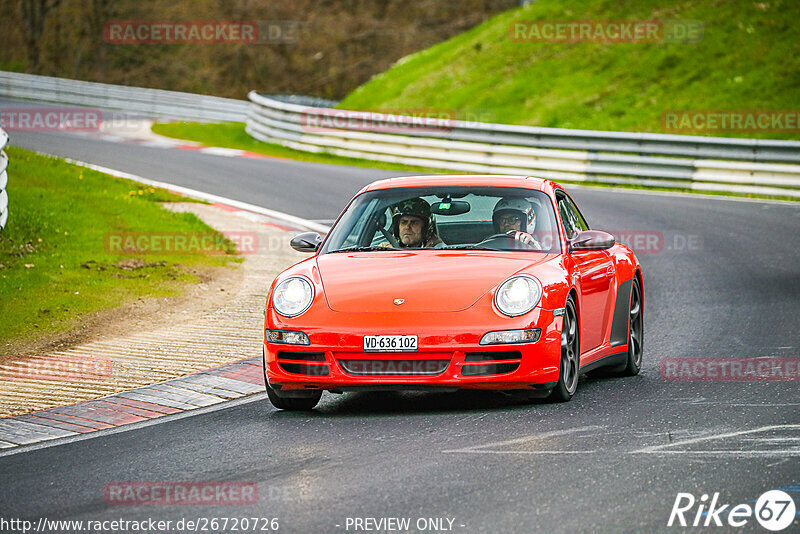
x: 420, y: 281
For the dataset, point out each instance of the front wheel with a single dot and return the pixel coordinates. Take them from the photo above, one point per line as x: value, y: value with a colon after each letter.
x: 570, y: 356
x: 305, y: 403
x: 635, y: 332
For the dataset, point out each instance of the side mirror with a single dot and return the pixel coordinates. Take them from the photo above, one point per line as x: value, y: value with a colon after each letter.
x: 591, y: 240
x: 306, y: 242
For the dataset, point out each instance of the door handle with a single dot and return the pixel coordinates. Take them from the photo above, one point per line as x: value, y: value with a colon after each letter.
x: 610, y: 271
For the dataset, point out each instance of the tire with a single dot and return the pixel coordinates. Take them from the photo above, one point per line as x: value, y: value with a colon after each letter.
x: 635, y: 332
x: 569, y: 369
x: 301, y: 404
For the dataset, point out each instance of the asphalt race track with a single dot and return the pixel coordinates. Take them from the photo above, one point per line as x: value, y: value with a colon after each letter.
x: 722, y: 280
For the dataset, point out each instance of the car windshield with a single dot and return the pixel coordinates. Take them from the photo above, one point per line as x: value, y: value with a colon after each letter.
x: 446, y: 218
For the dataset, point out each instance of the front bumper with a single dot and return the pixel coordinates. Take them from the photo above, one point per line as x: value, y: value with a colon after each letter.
x: 449, y: 353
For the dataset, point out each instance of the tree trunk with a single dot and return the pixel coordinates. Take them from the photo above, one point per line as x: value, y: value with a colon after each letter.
x: 34, y: 14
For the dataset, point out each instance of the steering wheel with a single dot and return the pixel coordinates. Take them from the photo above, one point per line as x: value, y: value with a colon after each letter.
x: 498, y: 237
x: 389, y: 237
x: 380, y: 223
x: 493, y: 238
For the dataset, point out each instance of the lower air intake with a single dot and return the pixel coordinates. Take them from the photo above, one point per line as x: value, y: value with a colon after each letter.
x: 304, y: 369
x: 495, y: 355
x: 302, y: 356
x: 394, y: 367
x: 489, y: 369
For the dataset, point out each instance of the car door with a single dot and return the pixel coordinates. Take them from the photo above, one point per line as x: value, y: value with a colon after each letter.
x: 596, y: 270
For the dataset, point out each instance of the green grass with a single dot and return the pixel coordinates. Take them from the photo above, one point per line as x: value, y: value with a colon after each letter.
x: 54, y: 265
x: 748, y: 59
x: 233, y: 135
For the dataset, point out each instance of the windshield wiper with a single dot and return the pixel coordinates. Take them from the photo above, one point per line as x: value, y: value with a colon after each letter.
x: 362, y: 249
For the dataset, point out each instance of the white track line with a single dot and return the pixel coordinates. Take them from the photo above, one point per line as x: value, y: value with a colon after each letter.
x: 481, y: 449
x: 660, y: 449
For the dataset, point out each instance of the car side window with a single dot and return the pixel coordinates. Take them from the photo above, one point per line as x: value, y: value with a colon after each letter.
x: 571, y: 217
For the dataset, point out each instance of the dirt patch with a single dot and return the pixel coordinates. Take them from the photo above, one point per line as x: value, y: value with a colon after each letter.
x: 132, y: 264
x: 214, y: 290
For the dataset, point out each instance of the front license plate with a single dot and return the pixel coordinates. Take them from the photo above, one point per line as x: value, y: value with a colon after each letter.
x: 390, y: 343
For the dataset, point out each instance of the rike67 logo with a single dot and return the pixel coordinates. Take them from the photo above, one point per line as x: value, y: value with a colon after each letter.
x: 775, y: 510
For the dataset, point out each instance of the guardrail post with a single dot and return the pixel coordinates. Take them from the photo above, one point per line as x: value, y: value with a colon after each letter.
x: 3, y: 180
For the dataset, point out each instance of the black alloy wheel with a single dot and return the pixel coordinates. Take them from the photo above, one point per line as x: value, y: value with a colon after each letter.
x: 570, y: 355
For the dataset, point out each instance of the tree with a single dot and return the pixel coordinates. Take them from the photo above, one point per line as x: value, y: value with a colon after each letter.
x: 34, y: 15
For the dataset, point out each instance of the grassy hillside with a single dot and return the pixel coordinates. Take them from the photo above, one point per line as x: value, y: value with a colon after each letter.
x: 747, y: 59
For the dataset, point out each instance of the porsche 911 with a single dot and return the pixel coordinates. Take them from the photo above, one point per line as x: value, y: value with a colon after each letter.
x: 453, y: 282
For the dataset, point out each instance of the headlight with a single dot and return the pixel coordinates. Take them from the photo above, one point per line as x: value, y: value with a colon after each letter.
x: 287, y: 337
x: 293, y: 296
x: 518, y: 295
x: 531, y: 335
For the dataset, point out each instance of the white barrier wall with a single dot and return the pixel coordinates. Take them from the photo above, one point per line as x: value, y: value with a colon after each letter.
x: 133, y: 99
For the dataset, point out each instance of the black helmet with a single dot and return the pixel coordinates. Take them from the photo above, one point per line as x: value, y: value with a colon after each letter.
x: 416, y: 207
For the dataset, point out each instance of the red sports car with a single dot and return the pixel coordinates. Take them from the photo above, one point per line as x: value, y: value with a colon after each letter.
x: 451, y: 282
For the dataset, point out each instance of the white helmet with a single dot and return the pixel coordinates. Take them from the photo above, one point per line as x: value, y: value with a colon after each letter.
x: 518, y: 206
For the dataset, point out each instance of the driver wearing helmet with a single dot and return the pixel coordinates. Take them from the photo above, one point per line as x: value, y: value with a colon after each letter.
x: 413, y: 224
x: 515, y: 217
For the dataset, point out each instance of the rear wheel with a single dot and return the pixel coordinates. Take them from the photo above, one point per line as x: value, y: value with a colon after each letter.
x: 304, y: 401
x: 635, y: 332
x: 570, y: 356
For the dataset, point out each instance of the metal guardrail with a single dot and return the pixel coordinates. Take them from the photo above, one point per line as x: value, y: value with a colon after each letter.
x: 652, y: 160
x: 3, y: 180
x: 155, y: 102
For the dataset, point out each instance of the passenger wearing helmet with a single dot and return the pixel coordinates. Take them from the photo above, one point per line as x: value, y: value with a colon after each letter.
x: 515, y: 217
x: 413, y: 224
